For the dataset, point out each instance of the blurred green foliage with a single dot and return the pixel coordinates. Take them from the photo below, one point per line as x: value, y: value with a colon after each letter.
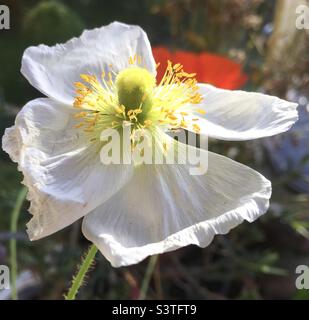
x: 51, y: 22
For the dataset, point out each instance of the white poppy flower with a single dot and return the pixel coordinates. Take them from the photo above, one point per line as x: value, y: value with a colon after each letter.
x: 132, y: 211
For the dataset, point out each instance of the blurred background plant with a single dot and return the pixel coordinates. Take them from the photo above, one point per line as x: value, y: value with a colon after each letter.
x: 254, y: 261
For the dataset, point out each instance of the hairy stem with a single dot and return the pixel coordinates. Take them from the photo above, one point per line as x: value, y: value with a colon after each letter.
x: 83, y: 269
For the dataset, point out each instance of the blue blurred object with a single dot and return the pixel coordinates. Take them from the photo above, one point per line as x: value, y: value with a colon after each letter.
x: 267, y: 29
x: 289, y: 152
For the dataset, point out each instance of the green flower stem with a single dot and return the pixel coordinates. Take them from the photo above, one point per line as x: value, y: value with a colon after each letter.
x: 13, y: 250
x: 84, y: 268
x: 149, y: 272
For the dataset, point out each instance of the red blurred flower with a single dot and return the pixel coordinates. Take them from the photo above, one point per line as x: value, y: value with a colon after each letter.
x: 209, y: 68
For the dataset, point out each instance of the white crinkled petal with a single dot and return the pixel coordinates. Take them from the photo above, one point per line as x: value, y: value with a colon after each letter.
x: 240, y: 115
x: 61, y: 168
x: 53, y: 70
x: 164, y: 208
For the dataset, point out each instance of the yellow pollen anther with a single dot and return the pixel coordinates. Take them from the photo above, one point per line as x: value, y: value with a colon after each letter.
x: 79, y: 85
x: 184, y: 113
x: 172, y: 117
x: 196, y: 128
x: 201, y: 111
x: 79, y: 125
x: 147, y: 123
x: 80, y: 115
x: 120, y: 109
x: 183, y: 124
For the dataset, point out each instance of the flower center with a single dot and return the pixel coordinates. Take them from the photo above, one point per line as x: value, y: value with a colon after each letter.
x: 134, y: 88
x: 132, y: 98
